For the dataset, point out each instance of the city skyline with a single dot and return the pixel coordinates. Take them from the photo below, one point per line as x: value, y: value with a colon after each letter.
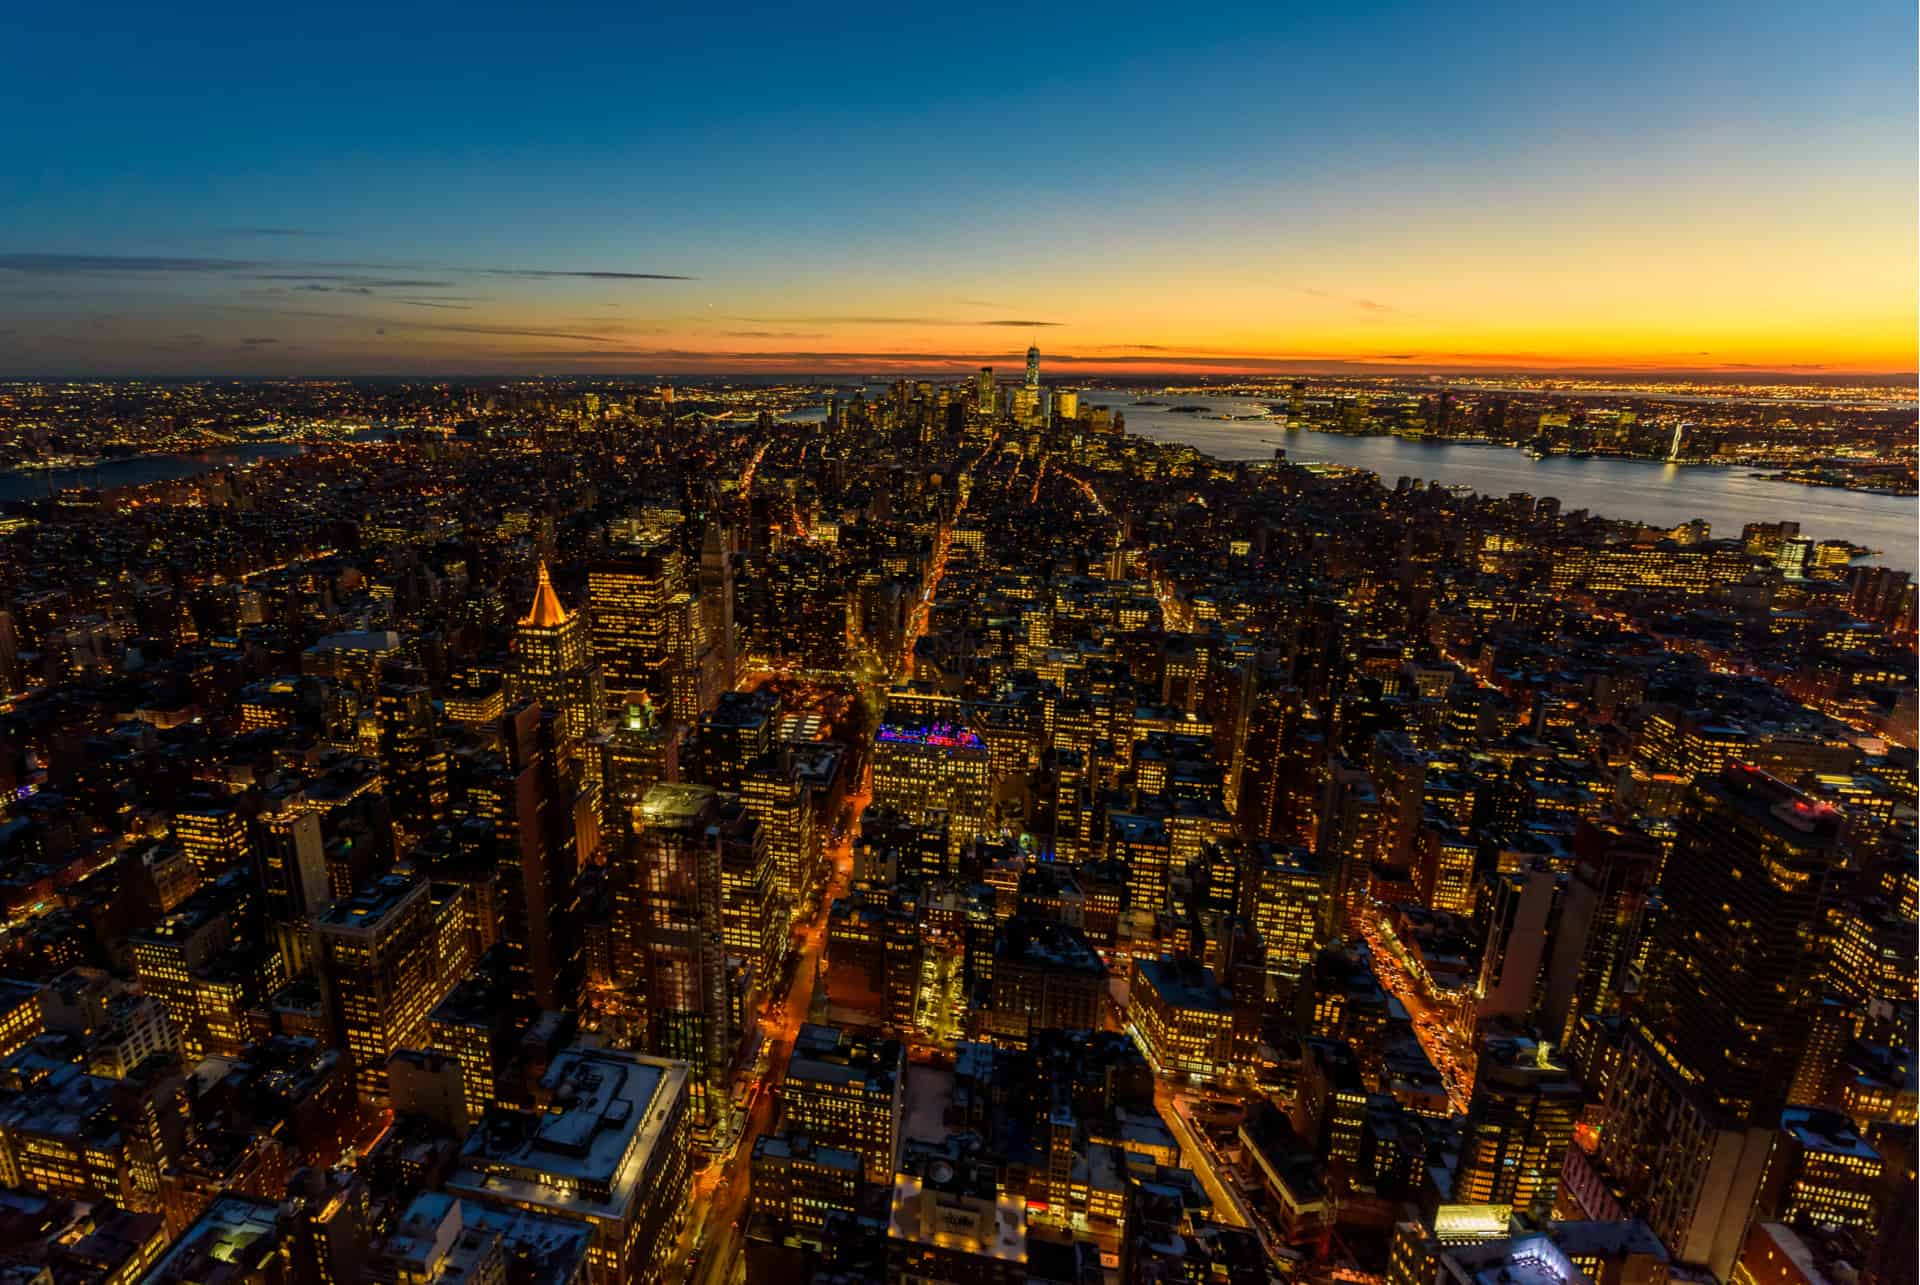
x: 1726, y: 190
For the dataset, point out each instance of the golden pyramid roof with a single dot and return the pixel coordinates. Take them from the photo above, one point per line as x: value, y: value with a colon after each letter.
x: 546, y: 612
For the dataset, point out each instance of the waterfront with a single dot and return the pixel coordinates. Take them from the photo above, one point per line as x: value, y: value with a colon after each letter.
x: 137, y: 470
x: 1638, y: 490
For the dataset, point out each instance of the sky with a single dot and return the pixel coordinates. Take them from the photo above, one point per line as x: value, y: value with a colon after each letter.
x: 635, y: 189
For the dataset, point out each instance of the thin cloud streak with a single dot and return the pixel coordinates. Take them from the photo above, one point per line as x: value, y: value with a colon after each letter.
x: 53, y: 265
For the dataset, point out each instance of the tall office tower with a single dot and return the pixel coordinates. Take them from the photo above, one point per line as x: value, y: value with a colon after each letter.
x: 213, y: 835
x: 695, y: 672
x: 1262, y: 811
x: 1066, y: 403
x: 170, y: 956
x: 1519, y: 1123
x: 293, y: 876
x: 733, y: 736
x: 1350, y: 824
x: 380, y: 974
x: 1602, y: 917
x: 752, y: 912
x: 1695, y: 1097
x: 643, y: 751
x: 1289, y: 912
x: 670, y: 946
x: 628, y: 594
x: 983, y: 391
x: 779, y: 800
x: 553, y: 661
x: 716, y: 597
x: 920, y: 768
x: 538, y: 815
x: 413, y: 759
x: 1516, y: 945
x: 1033, y: 367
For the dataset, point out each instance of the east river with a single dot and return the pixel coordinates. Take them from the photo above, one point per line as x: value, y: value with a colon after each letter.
x: 137, y: 470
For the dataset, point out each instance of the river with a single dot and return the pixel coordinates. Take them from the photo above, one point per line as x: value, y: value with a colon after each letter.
x: 1638, y: 490
x: 138, y: 470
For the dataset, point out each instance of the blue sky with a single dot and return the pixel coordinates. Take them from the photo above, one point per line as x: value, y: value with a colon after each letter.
x: 847, y: 179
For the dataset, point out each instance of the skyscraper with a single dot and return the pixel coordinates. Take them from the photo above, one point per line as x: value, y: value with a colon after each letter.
x: 553, y: 661
x: 1033, y: 367
x: 536, y: 809
x: 716, y: 595
x: 1694, y: 1099
x: 670, y: 945
x: 628, y: 592
x: 379, y: 973
x: 983, y: 391
x: 1519, y: 1123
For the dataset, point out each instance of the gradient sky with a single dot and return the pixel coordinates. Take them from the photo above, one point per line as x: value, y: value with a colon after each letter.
x: 627, y: 188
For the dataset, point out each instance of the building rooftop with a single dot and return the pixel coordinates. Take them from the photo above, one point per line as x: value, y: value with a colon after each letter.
x: 232, y: 1240
x: 1826, y: 1132
x: 441, y: 1238
x: 367, y: 909
x: 1183, y: 984
x: 587, y: 1153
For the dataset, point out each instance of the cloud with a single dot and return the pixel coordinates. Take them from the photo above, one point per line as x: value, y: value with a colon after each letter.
x: 388, y: 283
x: 53, y: 265
x: 770, y: 334
x: 259, y: 341
x: 269, y: 231
x: 39, y: 264
x: 866, y: 319
x: 318, y: 289
x: 1364, y: 305
x: 436, y: 303
x: 504, y: 331
x: 589, y: 274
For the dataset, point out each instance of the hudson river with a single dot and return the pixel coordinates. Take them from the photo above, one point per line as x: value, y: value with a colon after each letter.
x: 1638, y: 490
x: 1641, y: 491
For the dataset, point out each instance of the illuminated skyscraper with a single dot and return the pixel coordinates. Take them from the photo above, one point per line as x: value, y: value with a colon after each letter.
x: 629, y: 593
x: 538, y: 814
x: 716, y: 594
x: 380, y: 972
x: 1695, y: 1098
x: 1519, y: 1123
x: 983, y: 391
x: 412, y: 758
x: 554, y: 661
x: 213, y: 835
x: 1033, y: 367
x: 670, y: 940
x: 922, y: 768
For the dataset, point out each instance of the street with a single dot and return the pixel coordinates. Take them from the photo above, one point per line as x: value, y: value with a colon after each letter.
x: 719, y: 1197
